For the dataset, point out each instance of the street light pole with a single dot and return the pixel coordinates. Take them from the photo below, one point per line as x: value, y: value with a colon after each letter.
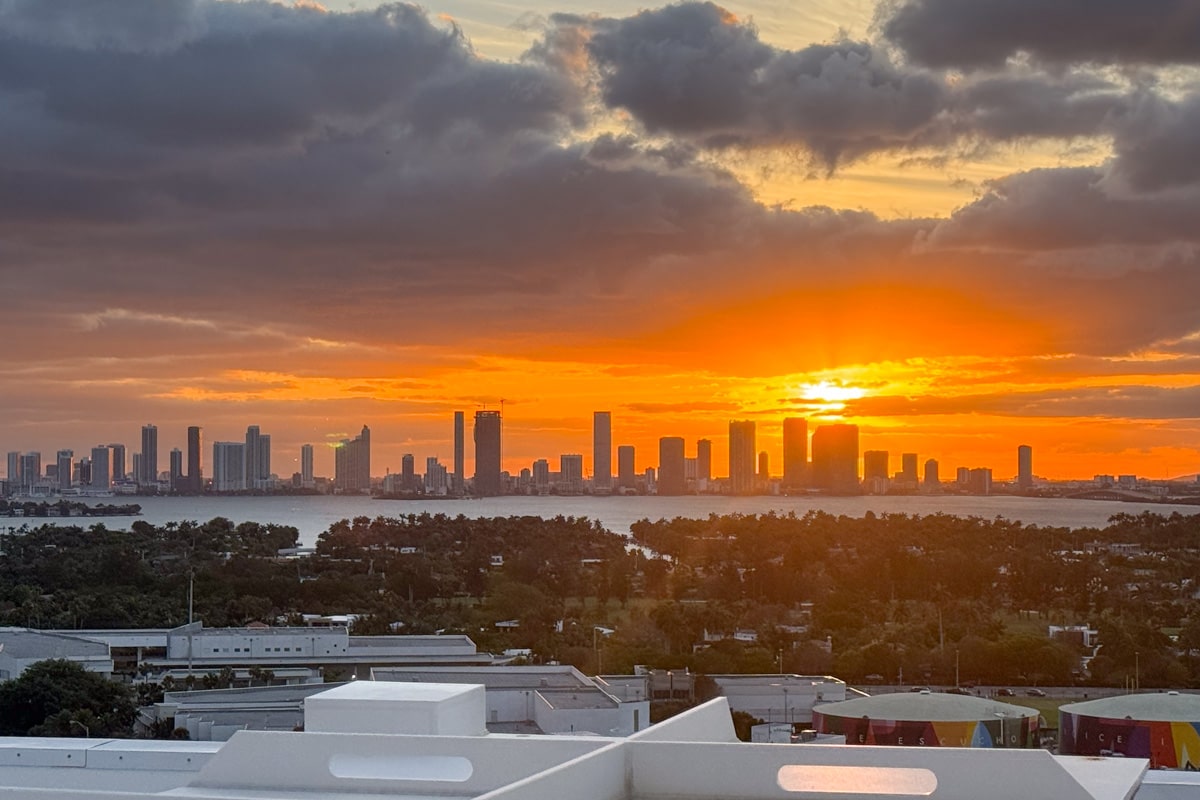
x: 87, y: 733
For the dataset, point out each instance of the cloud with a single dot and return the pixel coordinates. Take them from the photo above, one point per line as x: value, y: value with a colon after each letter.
x: 1156, y: 148
x: 1110, y: 402
x: 986, y: 33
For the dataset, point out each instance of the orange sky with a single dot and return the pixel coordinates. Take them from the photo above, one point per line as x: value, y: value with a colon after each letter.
x: 313, y: 219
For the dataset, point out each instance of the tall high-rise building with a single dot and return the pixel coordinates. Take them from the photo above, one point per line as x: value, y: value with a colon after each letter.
x: 229, y: 466
x: 101, y: 468
x: 742, y: 450
x: 149, y: 468
x: 908, y: 469
x: 602, y: 451
x: 306, y: 466
x: 195, y: 459
x: 671, y: 479
x: 352, y: 463
x: 460, y: 453
x: 436, y: 479
x: 795, y: 452
x: 119, y: 472
x: 30, y: 470
x: 704, y: 460
x: 570, y: 471
x: 408, y: 472
x: 1024, y: 467
x: 979, y: 481
x: 875, y: 465
x: 541, y: 474
x: 626, y: 470
x: 764, y: 467
x: 176, y: 479
x: 258, y: 459
x: 835, y: 458
x: 66, y: 461
x: 487, y: 453
x: 933, y: 482
x: 13, y: 473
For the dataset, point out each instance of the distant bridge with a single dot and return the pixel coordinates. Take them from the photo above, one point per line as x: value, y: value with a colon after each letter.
x: 1126, y: 495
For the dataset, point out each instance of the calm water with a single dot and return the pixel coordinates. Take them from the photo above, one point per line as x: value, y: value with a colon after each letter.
x: 312, y: 515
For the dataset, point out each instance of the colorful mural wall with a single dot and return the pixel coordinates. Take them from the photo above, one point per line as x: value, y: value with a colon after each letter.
x: 1166, y: 744
x: 1007, y: 732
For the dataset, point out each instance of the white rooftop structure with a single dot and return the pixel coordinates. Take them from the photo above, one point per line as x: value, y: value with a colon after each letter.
x: 692, y: 756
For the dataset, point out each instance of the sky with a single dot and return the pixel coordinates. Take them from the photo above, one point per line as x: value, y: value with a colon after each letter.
x: 963, y: 225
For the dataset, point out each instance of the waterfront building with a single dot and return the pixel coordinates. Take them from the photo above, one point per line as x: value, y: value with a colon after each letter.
x: 908, y: 470
x: 704, y: 461
x: 626, y: 468
x: 30, y: 471
x: 742, y: 450
x: 835, y: 458
x: 175, y: 478
x: 118, y: 462
x: 460, y: 453
x: 602, y: 452
x: 258, y: 459
x: 101, y: 477
x: 229, y: 466
x: 148, y: 472
x: 671, y: 479
x: 352, y: 463
x: 306, y: 466
x: 979, y: 481
x: 13, y: 473
x: 437, y: 481
x: 795, y: 452
x: 764, y: 467
x: 541, y: 475
x: 64, y: 461
x: 875, y: 471
x: 1024, y: 467
x: 408, y: 472
x: 932, y: 481
x: 487, y: 436
x: 195, y: 459
x: 570, y: 472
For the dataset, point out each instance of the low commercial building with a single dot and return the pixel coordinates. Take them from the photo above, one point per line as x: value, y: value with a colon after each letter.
x: 417, y: 741
x: 1163, y: 727
x: 21, y: 647
x: 929, y: 719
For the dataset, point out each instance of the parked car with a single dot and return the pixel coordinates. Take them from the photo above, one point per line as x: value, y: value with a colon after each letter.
x: 1035, y: 692
x: 956, y: 690
x: 1005, y: 693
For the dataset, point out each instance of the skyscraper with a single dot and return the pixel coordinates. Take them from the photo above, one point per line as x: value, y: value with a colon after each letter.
x: 176, y: 479
x: 795, y: 452
x: 118, y: 462
x: 602, y: 452
x: 101, y: 468
x: 626, y: 470
x: 460, y: 453
x: 764, y: 467
x: 30, y: 470
x: 258, y: 459
x: 195, y: 459
x: 670, y: 466
x: 875, y: 465
x: 1024, y: 467
x: 352, y: 463
x: 229, y: 466
x: 704, y: 460
x: 835, y: 458
x: 487, y: 453
x: 570, y: 471
x: 65, y: 461
x: 933, y: 482
x: 742, y: 450
x: 908, y: 469
x: 13, y: 474
x: 306, y: 466
x: 408, y: 472
x: 149, y: 470
x: 541, y: 475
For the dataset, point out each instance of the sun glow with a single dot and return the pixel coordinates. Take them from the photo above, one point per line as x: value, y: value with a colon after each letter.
x: 828, y: 392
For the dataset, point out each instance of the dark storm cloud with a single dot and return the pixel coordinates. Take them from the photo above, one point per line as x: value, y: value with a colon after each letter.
x: 1111, y: 402
x: 1157, y: 148
x: 695, y: 72
x: 985, y: 33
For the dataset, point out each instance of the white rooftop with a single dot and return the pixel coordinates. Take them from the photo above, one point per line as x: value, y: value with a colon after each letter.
x: 693, y: 755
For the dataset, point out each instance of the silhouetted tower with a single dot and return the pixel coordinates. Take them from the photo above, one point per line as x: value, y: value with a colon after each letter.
x: 487, y: 453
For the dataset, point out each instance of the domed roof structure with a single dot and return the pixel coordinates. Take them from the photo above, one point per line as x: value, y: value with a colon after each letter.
x: 1161, y: 726
x: 929, y: 719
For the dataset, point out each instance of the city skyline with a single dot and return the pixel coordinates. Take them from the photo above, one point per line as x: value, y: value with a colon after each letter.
x: 956, y: 236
